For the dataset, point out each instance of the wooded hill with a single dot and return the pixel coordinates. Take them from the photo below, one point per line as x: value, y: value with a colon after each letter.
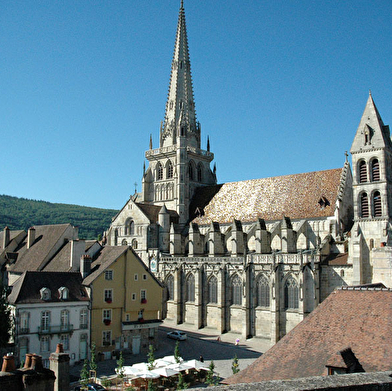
x: 21, y: 213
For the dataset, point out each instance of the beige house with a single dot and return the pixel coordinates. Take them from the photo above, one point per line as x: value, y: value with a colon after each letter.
x: 126, y: 301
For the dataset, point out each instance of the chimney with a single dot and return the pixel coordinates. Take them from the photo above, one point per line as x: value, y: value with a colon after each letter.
x: 6, y: 237
x: 36, y: 363
x: 77, y: 250
x: 59, y: 348
x: 30, y: 237
x: 85, y: 265
x: 28, y: 361
x: 8, y: 364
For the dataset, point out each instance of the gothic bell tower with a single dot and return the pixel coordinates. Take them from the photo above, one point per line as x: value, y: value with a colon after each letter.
x: 179, y: 165
x: 372, y: 188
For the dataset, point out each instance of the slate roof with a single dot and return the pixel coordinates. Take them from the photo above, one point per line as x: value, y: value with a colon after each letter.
x: 358, y: 318
x: 296, y: 196
x: 340, y: 259
x: 46, y: 236
x: 26, y: 289
x: 152, y: 212
x: 107, y: 256
x: 13, y: 235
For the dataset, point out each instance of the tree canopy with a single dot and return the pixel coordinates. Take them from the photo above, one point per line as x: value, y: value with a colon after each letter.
x: 21, y: 213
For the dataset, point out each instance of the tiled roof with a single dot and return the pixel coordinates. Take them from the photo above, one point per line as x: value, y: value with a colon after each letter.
x: 152, y: 212
x: 296, y: 196
x: 336, y: 259
x: 359, y: 318
x: 61, y: 261
x: 107, y: 256
x: 13, y: 234
x: 27, y: 288
x: 46, y: 237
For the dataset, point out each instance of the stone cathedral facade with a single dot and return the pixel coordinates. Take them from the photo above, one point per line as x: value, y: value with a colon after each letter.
x: 255, y: 257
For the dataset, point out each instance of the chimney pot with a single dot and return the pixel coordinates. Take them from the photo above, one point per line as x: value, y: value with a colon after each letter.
x: 27, y: 363
x: 36, y: 363
x: 8, y: 364
x: 59, y: 348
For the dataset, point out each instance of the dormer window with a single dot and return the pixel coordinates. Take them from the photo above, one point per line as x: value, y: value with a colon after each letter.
x: 63, y: 293
x: 45, y: 294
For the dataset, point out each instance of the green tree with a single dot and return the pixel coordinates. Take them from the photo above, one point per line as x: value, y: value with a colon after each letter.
x: 120, y: 367
x: 150, y: 357
x: 211, y: 379
x: 177, y: 352
x: 5, y: 317
x: 151, y: 386
x: 235, y: 366
x: 93, y: 362
x: 181, y: 385
x: 84, y: 375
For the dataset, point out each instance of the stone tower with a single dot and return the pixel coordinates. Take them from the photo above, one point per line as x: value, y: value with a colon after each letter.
x: 179, y: 165
x: 372, y: 188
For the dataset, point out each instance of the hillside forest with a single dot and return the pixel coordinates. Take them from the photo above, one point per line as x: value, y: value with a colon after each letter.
x: 21, y: 213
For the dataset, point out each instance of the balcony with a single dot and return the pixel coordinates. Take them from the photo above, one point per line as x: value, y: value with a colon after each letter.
x: 24, y: 330
x: 65, y: 329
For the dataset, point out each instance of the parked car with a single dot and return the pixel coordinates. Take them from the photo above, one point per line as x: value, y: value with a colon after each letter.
x: 178, y: 335
x: 91, y: 387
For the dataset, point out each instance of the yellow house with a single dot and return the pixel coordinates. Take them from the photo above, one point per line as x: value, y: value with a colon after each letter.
x: 126, y: 301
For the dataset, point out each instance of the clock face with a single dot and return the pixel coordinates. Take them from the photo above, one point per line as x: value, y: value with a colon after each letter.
x: 153, y: 265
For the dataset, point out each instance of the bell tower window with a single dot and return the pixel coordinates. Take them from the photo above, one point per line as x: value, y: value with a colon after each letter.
x: 362, y: 172
x: 375, y: 170
x: 377, y: 208
x: 364, y: 205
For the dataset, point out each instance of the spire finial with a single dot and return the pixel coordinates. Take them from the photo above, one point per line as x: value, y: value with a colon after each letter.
x: 182, y: 4
x: 208, y: 143
x: 150, y: 141
x: 346, y: 154
x: 370, y: 92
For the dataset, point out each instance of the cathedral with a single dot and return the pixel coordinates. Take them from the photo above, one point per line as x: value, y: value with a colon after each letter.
x: 255, y: 257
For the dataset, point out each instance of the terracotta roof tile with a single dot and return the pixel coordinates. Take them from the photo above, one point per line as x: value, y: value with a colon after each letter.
x: 296, y: 196
x: 359, y: 318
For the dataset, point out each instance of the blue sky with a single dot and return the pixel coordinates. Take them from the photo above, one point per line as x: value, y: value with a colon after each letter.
x: 280, y: 87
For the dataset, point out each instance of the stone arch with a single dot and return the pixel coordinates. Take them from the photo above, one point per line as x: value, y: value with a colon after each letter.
x: 263, y: 298
x: 200, y: 172
x: 364, y: 204
x: 376, y: 204
x: 191, y: 170
x: 129, y: 226
x: 159, y: 171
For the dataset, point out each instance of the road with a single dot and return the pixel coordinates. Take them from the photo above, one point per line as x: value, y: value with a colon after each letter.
x: 199, y: 342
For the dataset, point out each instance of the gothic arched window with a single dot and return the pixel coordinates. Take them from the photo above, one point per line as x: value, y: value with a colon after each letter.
x: 170, y: 287
x: 375, y: 170
x: 115, y: 236
x: 213, y: 290
x: 191, y: 171
x: 236, y: 290
x: 362, y: 172
x: 364, y: 205
x: 263, y: 292
x: 169, y: 170
x: 159, y: 171
x: 190, y: 288
x: 291, y: 294
x: 377, y: 208
x: 199, y: 172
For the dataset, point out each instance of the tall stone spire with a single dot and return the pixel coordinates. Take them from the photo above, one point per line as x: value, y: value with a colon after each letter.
x: 180, y: 115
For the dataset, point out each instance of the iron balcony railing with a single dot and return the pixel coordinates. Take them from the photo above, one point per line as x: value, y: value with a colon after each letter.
x: 62, y: 329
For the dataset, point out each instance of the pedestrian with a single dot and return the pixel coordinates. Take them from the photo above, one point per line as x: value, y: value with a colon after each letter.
x: 237, y: 341
x: 218, y: 339
x: 201, y: 359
